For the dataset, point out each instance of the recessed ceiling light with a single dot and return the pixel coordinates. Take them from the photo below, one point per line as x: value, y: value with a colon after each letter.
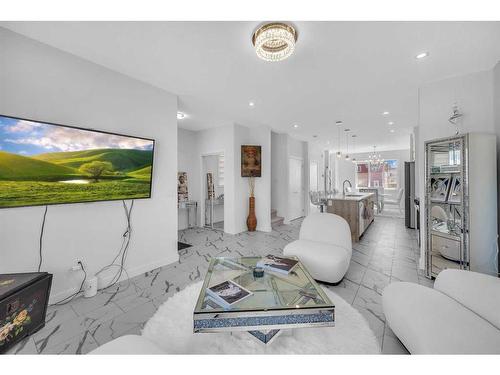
x: 422, y: 55
x: 251, y: 104
x: 295, y: 126
x: 315, y: 136
x: 391, y: 122
x: 338, y: 122
x: 180, y: 115
x: 385, y: 113
x: 392, y: 130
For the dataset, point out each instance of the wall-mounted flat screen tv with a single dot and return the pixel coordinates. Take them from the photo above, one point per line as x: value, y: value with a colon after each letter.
x: 43, y: 163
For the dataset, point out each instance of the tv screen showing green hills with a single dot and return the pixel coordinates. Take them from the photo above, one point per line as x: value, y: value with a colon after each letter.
x: 43, y: 164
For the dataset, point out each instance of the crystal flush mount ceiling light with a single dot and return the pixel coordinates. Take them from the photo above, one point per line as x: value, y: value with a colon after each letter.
x: 180, y: 115
x: 422, y: 55
x: 274, y: 41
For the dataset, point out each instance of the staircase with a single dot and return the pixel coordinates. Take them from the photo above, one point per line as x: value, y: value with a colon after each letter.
x: 275, y: 219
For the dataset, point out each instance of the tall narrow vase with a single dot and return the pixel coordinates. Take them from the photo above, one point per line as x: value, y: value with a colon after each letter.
x: 252, y: 219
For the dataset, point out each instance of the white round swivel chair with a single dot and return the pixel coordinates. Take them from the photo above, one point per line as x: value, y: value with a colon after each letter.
x: 324, y: 246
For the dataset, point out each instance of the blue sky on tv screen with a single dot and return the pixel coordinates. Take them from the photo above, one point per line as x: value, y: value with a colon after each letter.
x: 27, y: 138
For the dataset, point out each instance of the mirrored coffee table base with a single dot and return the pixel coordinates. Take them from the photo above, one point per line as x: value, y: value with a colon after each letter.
x: 278, y: 301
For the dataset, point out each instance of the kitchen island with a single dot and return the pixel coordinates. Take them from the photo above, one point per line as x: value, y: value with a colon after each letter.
x: 356, y: 209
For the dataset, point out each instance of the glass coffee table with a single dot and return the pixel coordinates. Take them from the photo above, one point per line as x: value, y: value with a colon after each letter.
x: 279, y: 301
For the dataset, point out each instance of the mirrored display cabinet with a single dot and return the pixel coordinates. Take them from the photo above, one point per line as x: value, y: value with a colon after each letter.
x: 461, y: 203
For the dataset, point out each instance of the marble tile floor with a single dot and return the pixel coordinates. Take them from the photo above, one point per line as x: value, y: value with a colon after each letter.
x: 387, y: 252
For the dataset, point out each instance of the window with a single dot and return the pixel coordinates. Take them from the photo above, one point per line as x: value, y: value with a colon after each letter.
x: 386, y: 175
x: 362, y: 174
x: 221, y: 170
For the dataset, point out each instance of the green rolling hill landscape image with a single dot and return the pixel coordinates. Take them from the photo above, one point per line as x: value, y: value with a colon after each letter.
x: 74, y: 176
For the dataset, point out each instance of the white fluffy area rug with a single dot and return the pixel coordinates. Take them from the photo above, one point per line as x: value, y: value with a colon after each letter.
x: 171, y: 328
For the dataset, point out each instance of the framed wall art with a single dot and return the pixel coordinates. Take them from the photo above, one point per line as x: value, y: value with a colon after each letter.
x: 251, y: 161
x: 182, y: 187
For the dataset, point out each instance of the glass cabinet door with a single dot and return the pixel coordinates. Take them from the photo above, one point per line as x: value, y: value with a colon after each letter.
x: 445, y: 210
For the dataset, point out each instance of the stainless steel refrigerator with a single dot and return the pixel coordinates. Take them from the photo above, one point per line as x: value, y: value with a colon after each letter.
x: 410, y: 194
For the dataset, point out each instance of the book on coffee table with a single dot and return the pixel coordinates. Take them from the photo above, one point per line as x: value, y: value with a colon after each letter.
x: 228, y: 293
x: 277, y: 264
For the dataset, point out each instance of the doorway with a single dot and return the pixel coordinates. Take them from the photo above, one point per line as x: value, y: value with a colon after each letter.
x: 212, y: 176
x: 296, y: 188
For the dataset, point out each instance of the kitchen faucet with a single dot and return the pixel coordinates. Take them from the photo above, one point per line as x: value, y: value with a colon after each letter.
x: 343, y: 186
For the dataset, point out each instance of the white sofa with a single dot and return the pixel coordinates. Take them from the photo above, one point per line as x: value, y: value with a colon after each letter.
x: 461, y: 315
x: 128, y: 344
x: 324, y: 246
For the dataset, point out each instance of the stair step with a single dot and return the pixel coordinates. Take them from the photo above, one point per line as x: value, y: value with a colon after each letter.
x: 277, y: 220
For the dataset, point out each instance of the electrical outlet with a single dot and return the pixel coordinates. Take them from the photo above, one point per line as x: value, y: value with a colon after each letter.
x: 77, y: 266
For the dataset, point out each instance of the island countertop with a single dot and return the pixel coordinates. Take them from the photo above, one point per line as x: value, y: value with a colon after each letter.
x: 356, y: 197
x: 356, y: 209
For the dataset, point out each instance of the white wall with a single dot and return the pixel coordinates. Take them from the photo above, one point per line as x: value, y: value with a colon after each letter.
x: 187, y: 161
x: 279, y: 173
x: 316, y: 153
x: 299, y: 149
x: 496, y: 120
x: 283, y: 148
x: 474, y: 95
x: 254, y: 136
x: 43, y: 83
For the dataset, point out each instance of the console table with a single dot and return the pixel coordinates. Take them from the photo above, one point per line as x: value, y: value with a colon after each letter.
x: 189, y: 205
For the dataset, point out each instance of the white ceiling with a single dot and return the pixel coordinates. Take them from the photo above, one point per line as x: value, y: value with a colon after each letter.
x: 349, y: 71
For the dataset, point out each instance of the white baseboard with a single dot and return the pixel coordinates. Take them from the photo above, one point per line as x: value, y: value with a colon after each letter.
x: 132, y: 272
x: 265, y: 229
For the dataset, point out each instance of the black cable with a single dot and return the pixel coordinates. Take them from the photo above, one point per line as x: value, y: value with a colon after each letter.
x: 40, y: 251
x: 123, y: 252
x: 127, y: 234
x: 40, y: 247
x: 70, y: 298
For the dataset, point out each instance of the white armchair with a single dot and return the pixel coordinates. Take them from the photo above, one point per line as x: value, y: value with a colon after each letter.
x: 324, y: 246
x: 459, y: 316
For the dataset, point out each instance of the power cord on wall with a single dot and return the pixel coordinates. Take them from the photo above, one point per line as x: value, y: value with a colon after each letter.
x: 40, y: 261
x: 123, y: 252
x: 40, y: 247
x: 70, y: 298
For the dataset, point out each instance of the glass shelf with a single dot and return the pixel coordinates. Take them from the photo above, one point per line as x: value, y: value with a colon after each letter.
x: 445, y: 209
x: 446, y: 202
x: 447, y: 232
x: 444, y: 173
